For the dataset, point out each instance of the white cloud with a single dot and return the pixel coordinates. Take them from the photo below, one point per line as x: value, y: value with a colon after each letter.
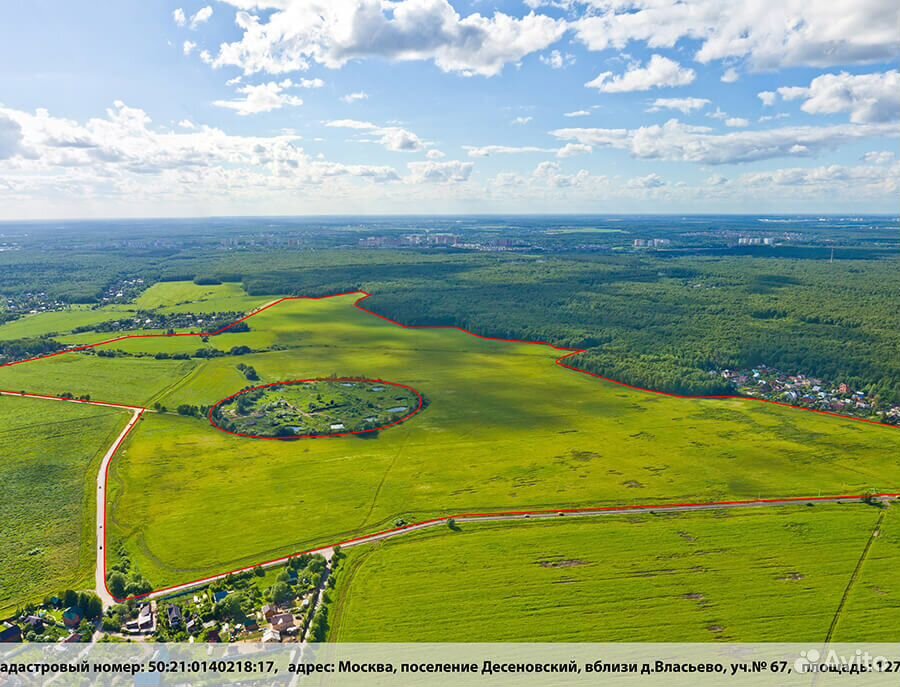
x: 660, y: 72
x: 435, y: 154
x: 178, y: 17
x: 521, y: 121
x: 652, y: 180
x: 766, y: 33
x: 391, y: 137
x: 867, y: 97
x: 557, y: 60
x: 717, y: 114
x: 737, y: 122
x: 573, y: 149
x: 123, y: 158
x: 263, y: 97
x: 431, y: 172
x: 684, y: 105
x: 206, y: 57
x: 676, y: 141
x: 716, y: 180
x: 355, y: 97
x: 310, y: 83
x: 187, y: 124
x: 577, y: 113
x: 188, y: 47
x: 829, y: 180
x: 878, y: 157
x: 767, y: 97
x: 201, y: 16
x: 296, y: 33
x: 235, y: 81
x: 730, y: 75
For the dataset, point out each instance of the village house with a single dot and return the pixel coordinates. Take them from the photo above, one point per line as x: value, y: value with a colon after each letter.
x: 174, y: 617
x: 282, y: 622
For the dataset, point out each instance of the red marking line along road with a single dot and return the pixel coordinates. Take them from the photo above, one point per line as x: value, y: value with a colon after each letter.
x: 363, y: 295
x: 338, y: 380
x: 554, y: 514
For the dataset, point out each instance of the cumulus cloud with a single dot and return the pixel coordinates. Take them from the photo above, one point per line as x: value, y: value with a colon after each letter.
x: 716, y: 180
x: 867, y: 97
x: 577, y: 113
x: 201, y: 16
x: 684, y: 105
x: 557, y: 60
x: 829, y: 179
x: 521, y: 121
x: 310, y: 83
x: 660, y: 72
x: 767, y: 97
x: 188, y: 47
x: 878, y: 157
x: 355, y: 97
x: 676, y: 141
x: 766, y: 33
x: 737, y: 122
x: 435, y: 154
x: 123, y: 155
x: 178, y: 17
x: 730, y: 75
x: 573, y: 149
x: 263, y: 97
x: 292, y: 34
x: 432, y: 172
x: 652, y: 180
x: 392, y: 138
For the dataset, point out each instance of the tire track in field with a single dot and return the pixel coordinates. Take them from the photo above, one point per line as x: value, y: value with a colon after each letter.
x: 384, y: 479
x: 855, y: 575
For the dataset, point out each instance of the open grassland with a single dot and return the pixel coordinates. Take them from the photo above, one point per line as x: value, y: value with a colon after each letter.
x: 61, y: 322
x: 180, y: 296
x: 504, y: 429
x: 872, y: 611
x: 50, y: 455
x: 751, y: 576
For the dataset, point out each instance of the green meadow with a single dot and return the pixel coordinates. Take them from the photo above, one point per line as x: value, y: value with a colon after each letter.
x: 743, y: 576
x: 50, y: 455
x: 504, y: 428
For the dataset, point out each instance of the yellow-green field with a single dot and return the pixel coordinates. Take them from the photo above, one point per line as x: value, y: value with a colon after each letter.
x: 748, y: 575
x: 504, y: 429
x: 50, y: 455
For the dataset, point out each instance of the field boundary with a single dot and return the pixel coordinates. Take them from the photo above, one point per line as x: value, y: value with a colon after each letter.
x: 502, y: 515
x: 418, y: 409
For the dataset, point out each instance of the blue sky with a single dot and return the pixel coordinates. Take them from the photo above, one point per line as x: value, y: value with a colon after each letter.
x: 429, y: 106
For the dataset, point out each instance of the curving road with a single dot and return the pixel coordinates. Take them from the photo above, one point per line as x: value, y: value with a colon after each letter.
x: 328, y: 551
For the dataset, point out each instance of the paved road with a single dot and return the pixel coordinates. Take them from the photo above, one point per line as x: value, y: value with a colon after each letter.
x: 102, y: 476
x: 328, y: 551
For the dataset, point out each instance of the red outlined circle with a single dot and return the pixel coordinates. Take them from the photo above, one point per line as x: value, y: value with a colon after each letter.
x: 415, y: 411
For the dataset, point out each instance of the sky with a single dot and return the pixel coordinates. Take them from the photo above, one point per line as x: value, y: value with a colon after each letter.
x: 128, y: 108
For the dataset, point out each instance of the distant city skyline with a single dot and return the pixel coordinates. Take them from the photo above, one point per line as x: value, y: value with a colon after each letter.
x: 292, y: 107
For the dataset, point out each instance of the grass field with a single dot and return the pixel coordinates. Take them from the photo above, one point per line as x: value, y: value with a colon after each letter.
x: 60, y: 322
x: 774, y: 575
x: 505, y: 428
x: 50, y: 452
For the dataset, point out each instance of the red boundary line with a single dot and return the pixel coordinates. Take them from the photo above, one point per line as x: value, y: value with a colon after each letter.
x: 570, y: 352
x: 416, y: 410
